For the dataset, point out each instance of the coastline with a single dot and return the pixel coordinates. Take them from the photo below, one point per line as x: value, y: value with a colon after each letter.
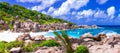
x: 74, y: 33
x: 101, y: 40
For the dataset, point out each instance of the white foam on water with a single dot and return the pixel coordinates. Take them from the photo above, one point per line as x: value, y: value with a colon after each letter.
x: 50, y: 31
x: 109, y: 33
x: 11, y: 36
x: 37, y: 33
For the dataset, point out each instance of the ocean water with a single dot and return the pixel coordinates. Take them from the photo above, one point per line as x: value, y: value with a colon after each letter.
x: 76, y: 33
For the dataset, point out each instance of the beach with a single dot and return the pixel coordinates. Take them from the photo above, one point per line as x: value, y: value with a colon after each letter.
x: 75, y: 33
x: 102, y: 40
x: 59, y: 26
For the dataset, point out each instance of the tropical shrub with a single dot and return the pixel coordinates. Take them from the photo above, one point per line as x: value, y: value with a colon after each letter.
x: 14, y: 44
x: 81, y: 49
x: 48, y: 43
x: 5, y: 46
x: 27, y: 48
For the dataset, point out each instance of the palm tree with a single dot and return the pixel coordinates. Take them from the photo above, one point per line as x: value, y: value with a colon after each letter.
x: 65, y: 39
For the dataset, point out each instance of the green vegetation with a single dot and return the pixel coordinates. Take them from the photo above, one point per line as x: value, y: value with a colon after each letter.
x: 48, y: 43
x: 81, y: 49
x: 5, y: 47
x: 28, y: 49
x: 14, y: 44
x: 9, y: 12
x: 64, y: 38
x: 2, y: 47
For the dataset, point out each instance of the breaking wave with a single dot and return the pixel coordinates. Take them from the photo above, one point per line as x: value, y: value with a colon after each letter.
x: 109, y: 33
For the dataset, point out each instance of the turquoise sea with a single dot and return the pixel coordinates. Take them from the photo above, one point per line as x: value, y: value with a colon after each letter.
x: 76, y: 33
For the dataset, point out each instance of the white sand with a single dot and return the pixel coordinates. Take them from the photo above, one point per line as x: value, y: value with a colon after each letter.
x: 10, y: 36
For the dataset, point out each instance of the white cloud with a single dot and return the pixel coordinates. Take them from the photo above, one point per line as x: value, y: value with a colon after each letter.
x: 100, y: 14
x: 68, y: 5
x: 90, y: 13
x: 64, y: 9
x: 87, y: 13
x: 30, y: 1
x: 44, y: 12
x: 95, y: 13
x: 76, y: 4
x: 119, y: 16
x: 83, y: 14
x: 74, y: 13
x: 44, y: 4
x: 111, y: 11
x: 101, y: 1
x: 50, y: 10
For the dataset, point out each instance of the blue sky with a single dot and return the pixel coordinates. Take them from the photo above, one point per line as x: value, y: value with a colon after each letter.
x: 100, y: 12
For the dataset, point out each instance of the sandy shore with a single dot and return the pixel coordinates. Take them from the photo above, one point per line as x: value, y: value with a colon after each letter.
x: 11, y: 36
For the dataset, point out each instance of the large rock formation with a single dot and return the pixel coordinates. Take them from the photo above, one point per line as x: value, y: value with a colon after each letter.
x: 2, y: 22
x: 102, y: 44
x: 24, y: 37
x: 86, y: 35
x: 50, y: 50
x: 16, y: 50
x: 25, y: 26
x: 39, y: 38
x: 29, y: 26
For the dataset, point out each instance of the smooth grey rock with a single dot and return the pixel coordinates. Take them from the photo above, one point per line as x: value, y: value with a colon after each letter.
x: 16, y: 50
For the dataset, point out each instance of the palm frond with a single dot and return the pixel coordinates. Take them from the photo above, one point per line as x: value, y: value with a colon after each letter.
x: 60, y: 37
x: 65, y: 39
